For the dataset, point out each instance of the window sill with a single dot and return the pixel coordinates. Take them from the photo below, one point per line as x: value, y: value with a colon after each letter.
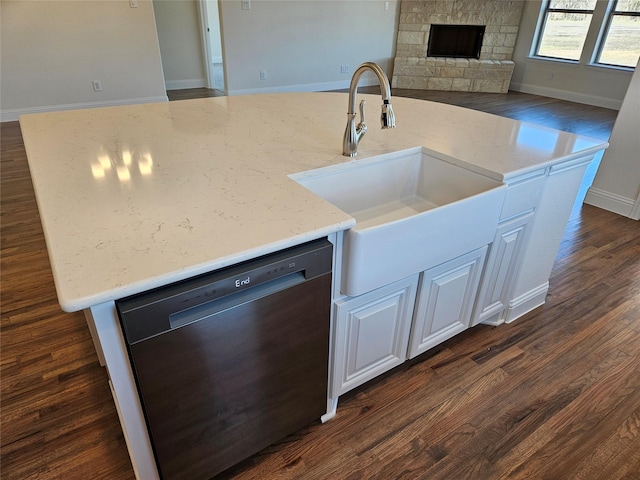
x: 618, y: 68
x: 556, y: 60
x: 612, y: 68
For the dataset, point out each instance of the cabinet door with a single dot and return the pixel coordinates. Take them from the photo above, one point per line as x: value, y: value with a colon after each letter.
x: 502, y: 267
x: 445, y: 300
x: 372, y: 332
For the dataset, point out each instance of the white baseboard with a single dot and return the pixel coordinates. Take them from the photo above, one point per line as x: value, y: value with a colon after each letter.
x: 307, y: 87
x: 14, y: 114
x: 610, y: 201
x: 594, y: 100
x: 635, y: 211
x: 185, y: 84
x: 526, y: 302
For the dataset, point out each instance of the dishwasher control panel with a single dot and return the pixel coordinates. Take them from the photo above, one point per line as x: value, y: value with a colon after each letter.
x: 156, y: 311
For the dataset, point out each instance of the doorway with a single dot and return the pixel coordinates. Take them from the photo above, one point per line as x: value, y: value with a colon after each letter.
x: 212, y: 43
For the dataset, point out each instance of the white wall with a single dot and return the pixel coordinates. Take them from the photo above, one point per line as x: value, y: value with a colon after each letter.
x: 301, y: 44
x: 51, y: 52
x: 603, y: 87
x: 616, y: 186
x: 179, y: 35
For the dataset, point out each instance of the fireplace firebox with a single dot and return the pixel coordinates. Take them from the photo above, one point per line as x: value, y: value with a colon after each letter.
x: 459, y: 41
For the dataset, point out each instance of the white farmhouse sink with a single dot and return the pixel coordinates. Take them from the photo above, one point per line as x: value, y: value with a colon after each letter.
x: 412, y: 210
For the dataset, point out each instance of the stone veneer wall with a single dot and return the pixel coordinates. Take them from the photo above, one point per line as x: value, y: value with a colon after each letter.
x: 491, y: 73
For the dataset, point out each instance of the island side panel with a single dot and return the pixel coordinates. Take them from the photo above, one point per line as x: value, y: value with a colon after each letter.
x: 103, y: 322
x: 553, y: 212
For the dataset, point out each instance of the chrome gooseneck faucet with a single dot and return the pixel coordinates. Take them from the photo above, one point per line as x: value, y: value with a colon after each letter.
x: 353, y: 132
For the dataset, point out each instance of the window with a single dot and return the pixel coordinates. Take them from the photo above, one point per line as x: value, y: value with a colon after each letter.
x: 564, y: 28
x: 620, y: 44
x: 608, y: 30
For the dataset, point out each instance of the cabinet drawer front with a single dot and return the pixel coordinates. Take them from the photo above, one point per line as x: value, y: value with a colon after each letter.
x: 372, y: 332
x: 522, y: 196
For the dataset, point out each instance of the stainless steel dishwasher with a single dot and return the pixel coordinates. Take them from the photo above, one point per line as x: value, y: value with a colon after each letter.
x: 228, y: 362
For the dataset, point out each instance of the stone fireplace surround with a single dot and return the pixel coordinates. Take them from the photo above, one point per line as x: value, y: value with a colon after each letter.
x: 490, y: 73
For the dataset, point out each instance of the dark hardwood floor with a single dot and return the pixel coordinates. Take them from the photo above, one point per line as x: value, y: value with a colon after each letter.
x: 555, y: 395
x: 193, y: 93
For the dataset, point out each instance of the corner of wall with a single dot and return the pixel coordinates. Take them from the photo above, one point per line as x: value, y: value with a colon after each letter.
x: 609, y: 201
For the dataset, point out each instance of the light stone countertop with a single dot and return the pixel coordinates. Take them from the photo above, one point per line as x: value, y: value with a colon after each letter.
x: 135, y: 197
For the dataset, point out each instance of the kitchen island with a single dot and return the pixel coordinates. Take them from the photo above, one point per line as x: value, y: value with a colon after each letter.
x: 133, y: 198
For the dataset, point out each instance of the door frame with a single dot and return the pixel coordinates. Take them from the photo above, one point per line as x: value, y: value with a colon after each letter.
x: 206, y: 49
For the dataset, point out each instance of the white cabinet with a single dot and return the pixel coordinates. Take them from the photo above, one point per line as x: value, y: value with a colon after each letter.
x: 445, y: 300
x: 507, y: 249
x: 502, y: 266
x: 372, y: 331
x: 380, y: 329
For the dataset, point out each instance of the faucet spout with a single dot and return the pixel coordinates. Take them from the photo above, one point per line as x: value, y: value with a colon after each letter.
x: 354, y: 132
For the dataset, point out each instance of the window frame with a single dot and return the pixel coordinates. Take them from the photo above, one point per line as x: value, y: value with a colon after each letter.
x: 595, y: 39
x: 542, y: 23
x: 604, y: 32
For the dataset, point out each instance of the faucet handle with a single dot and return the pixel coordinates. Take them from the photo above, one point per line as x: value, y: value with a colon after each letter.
x: 361, y: 127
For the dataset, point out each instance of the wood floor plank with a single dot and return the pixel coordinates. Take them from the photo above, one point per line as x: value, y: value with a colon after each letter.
x: 579, y: 426
x: 553, y: 396
x: 615, y: 457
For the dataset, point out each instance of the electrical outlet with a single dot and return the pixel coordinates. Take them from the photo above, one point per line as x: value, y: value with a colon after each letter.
x: 552, y: 76
x: 246, y: 4
x: 97, y: 85
x: 133, y: 3
x: 344, y: 68
x: 263, y: 74
x: 386, y: 5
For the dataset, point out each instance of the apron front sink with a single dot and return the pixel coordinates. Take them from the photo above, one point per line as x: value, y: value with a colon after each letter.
x: 412, y: 210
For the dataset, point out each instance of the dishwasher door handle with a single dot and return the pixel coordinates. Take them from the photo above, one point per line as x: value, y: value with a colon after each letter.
x: 247, y: 294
